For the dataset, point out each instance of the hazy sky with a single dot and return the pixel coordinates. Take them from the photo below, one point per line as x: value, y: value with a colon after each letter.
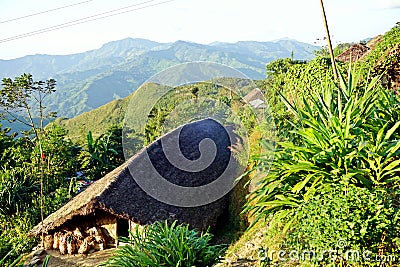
x: 202, y: 21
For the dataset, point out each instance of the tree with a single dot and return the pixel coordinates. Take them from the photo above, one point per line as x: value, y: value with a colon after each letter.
x: 195, y: 91
x: 153, y: 128
x: 23, y: 98
x: 20, y: 100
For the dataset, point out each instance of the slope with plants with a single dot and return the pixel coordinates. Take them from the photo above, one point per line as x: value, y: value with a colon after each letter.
x: 95, y: 120
x: 333, y: 185
x: 39, y: 169
x: 334, y: 182
x: 113, y: 113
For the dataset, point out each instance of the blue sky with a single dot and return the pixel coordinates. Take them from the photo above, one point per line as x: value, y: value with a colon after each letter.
x: 202, y: 21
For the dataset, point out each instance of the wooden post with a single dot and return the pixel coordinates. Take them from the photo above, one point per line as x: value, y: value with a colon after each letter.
x: 335, y: 74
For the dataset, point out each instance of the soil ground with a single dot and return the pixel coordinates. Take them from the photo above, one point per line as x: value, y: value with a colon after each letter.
x: 89, y: 260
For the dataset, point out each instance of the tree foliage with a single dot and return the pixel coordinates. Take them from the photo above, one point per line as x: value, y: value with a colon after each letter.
x: 102, y: 154
x: 22, y: 98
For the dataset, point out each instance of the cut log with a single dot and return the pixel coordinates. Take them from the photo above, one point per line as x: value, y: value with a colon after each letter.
x: 48, y: 242
x: 56, y: 240
x: 63, y: 244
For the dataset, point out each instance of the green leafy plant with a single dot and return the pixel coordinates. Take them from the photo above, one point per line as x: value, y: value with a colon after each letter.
x: 102, y: 154
x: 164, y: 244
x: 336, y: 141
x: 346, y: 219
x: 46, y: 261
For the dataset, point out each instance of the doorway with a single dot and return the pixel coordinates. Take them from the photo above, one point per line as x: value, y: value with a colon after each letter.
x: 122, y: 227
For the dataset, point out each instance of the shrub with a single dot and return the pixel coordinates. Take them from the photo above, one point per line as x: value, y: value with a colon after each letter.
x: 347, y: 219
x: 163, y: 244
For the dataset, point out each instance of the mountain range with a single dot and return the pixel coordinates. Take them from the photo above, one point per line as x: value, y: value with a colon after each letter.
x: 90, y: 79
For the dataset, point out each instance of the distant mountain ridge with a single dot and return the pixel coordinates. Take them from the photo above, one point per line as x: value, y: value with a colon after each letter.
x: 90, y: 79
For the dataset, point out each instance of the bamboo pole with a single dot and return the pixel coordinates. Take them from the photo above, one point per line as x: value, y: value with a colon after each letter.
x: 335, y: 74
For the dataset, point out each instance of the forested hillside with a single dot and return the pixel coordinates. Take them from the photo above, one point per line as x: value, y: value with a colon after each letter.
x: 94, y: 78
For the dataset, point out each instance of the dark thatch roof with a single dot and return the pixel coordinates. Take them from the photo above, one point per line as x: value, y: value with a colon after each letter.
x: 354, y: 53
x: 119, y: 194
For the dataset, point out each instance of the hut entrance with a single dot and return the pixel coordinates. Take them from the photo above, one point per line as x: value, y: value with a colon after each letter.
x: 122, y: 227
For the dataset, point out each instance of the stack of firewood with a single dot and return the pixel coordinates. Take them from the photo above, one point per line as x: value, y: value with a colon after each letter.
x: 76, y: 241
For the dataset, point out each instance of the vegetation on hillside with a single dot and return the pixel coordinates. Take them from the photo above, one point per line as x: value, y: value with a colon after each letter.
x: 333, y: 185
x: 334, y: 182
x: 38, y: 167
x: 21, y: 177
x: 61, y: 165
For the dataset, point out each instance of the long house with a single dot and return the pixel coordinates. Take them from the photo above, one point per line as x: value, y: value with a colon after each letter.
x: 115, y: 204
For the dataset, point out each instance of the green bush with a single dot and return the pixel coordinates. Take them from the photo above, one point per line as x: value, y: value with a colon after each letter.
x: 20, y: 178
x: 13, y: 239
x: 5, y: 248
x: 347, y: 219
x: 163, y: 244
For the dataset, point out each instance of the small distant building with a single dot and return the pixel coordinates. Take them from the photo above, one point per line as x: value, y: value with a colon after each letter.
x: 354, y: 53
x: 359, y: 51
x: 115, y: 204
x: 255, y: 98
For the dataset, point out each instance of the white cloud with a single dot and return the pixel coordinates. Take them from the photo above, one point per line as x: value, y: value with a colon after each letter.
x: 202, y: 21
x: 389, y: 3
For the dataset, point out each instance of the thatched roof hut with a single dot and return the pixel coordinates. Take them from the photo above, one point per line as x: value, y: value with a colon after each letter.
x: 354, y: 53
x: 117, y: 195
x: 255, y: 98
